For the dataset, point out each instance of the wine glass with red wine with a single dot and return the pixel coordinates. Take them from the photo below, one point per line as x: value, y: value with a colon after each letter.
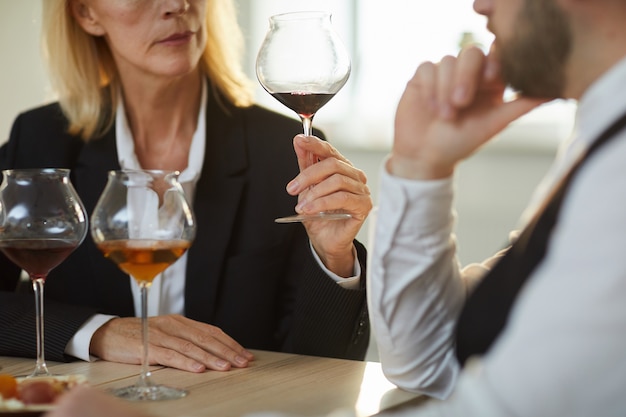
x: 302, y: 63
x: 42, y: 220
x: 143, y: 223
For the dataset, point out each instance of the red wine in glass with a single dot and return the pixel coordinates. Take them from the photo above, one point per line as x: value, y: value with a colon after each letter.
x: 37, y: 256
x: 303, y: 103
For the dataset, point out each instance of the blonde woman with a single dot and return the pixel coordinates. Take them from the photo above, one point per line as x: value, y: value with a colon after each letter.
x: 156, y: 84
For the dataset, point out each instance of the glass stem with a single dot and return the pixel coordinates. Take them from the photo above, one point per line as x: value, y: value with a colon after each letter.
x: 40, y: 367
x: 307, y: 125
x: 144, y: 379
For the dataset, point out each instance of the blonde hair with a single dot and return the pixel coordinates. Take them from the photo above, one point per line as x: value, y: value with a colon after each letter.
x: 84, y: 75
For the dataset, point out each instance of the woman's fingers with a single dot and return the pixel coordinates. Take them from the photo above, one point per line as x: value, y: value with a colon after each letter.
x: 336, y: 192
x: 330, y: 163
x: 329, y: 170
x: 186, y: 343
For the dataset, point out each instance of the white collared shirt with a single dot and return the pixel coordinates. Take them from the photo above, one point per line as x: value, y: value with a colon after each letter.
x: 563, y: 350
x: 167, y: 292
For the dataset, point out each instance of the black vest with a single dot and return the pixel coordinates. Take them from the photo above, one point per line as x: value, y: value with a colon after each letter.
x: 487, y: 309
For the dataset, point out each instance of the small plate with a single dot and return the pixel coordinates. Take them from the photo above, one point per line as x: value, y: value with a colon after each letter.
x: 16, y: 408
x: 26, y: 411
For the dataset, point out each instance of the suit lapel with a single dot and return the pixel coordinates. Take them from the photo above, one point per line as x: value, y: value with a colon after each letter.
x: 96, y: 158
x: 217, y: 198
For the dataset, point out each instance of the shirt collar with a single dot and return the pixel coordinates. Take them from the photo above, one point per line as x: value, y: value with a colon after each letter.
x: 601, y: 104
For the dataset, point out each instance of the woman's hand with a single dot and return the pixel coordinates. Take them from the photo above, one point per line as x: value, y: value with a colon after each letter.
x: 330, y: 184
x: 175, y: 341
x: 447, y: 111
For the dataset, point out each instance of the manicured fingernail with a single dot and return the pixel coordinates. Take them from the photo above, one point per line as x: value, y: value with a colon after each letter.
x: 241, y: 360
x: 221, y: 363
x: 198, y: 367
x: 292, y: 187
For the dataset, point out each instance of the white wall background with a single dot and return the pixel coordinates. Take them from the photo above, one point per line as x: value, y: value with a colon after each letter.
x: 23, y: 82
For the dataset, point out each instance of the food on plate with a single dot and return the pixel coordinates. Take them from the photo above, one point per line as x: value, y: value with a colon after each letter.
x: 20, y: 393
x: 8, y: 386
x: 38, y: 392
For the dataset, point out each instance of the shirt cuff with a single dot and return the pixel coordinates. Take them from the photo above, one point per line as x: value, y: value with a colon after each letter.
x: 78, y: 346
x: 350, y: 283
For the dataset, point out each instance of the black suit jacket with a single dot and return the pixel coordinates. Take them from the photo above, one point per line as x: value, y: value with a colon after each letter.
x: 255, y: 279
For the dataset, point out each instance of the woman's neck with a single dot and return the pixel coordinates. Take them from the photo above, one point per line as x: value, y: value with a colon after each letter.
x: 162, y: 116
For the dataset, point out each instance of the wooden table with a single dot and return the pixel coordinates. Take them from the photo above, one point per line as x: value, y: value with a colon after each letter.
x: 279, y: 382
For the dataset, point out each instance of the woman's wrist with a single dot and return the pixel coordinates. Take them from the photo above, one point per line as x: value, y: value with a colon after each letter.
x: 341, y: 263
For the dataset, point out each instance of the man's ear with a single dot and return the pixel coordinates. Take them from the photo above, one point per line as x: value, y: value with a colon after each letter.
x: 86, y: 18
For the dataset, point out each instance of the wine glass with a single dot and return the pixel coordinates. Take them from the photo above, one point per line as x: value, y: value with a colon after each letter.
x: 302, y: 63
x: 143, y: 223
x: 42, y: 220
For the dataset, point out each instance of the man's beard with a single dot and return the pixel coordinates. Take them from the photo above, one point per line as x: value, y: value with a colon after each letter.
x: 533, y: 59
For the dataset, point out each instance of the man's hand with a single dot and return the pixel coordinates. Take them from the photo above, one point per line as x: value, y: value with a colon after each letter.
x: 447, y: 111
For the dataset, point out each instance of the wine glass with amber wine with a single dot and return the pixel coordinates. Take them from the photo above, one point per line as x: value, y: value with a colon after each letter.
x: 42, y: 221
x: 302, y: 63
x: 143, y: 223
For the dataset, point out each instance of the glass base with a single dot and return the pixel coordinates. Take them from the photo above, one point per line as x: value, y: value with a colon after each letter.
x: 41, y: 370
x: 318, y: 216
x: 151, y: 393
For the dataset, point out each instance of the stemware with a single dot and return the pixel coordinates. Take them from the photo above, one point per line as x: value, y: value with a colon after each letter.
x: 302, y: 63
x: 42, y: 220
x: 143, y: 223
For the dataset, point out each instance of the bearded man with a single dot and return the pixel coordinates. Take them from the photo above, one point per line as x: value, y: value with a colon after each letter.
x: 538, y: 330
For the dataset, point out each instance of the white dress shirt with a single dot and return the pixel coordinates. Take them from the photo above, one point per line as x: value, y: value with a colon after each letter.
x: 167, y: 292
x: 563, y: 352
